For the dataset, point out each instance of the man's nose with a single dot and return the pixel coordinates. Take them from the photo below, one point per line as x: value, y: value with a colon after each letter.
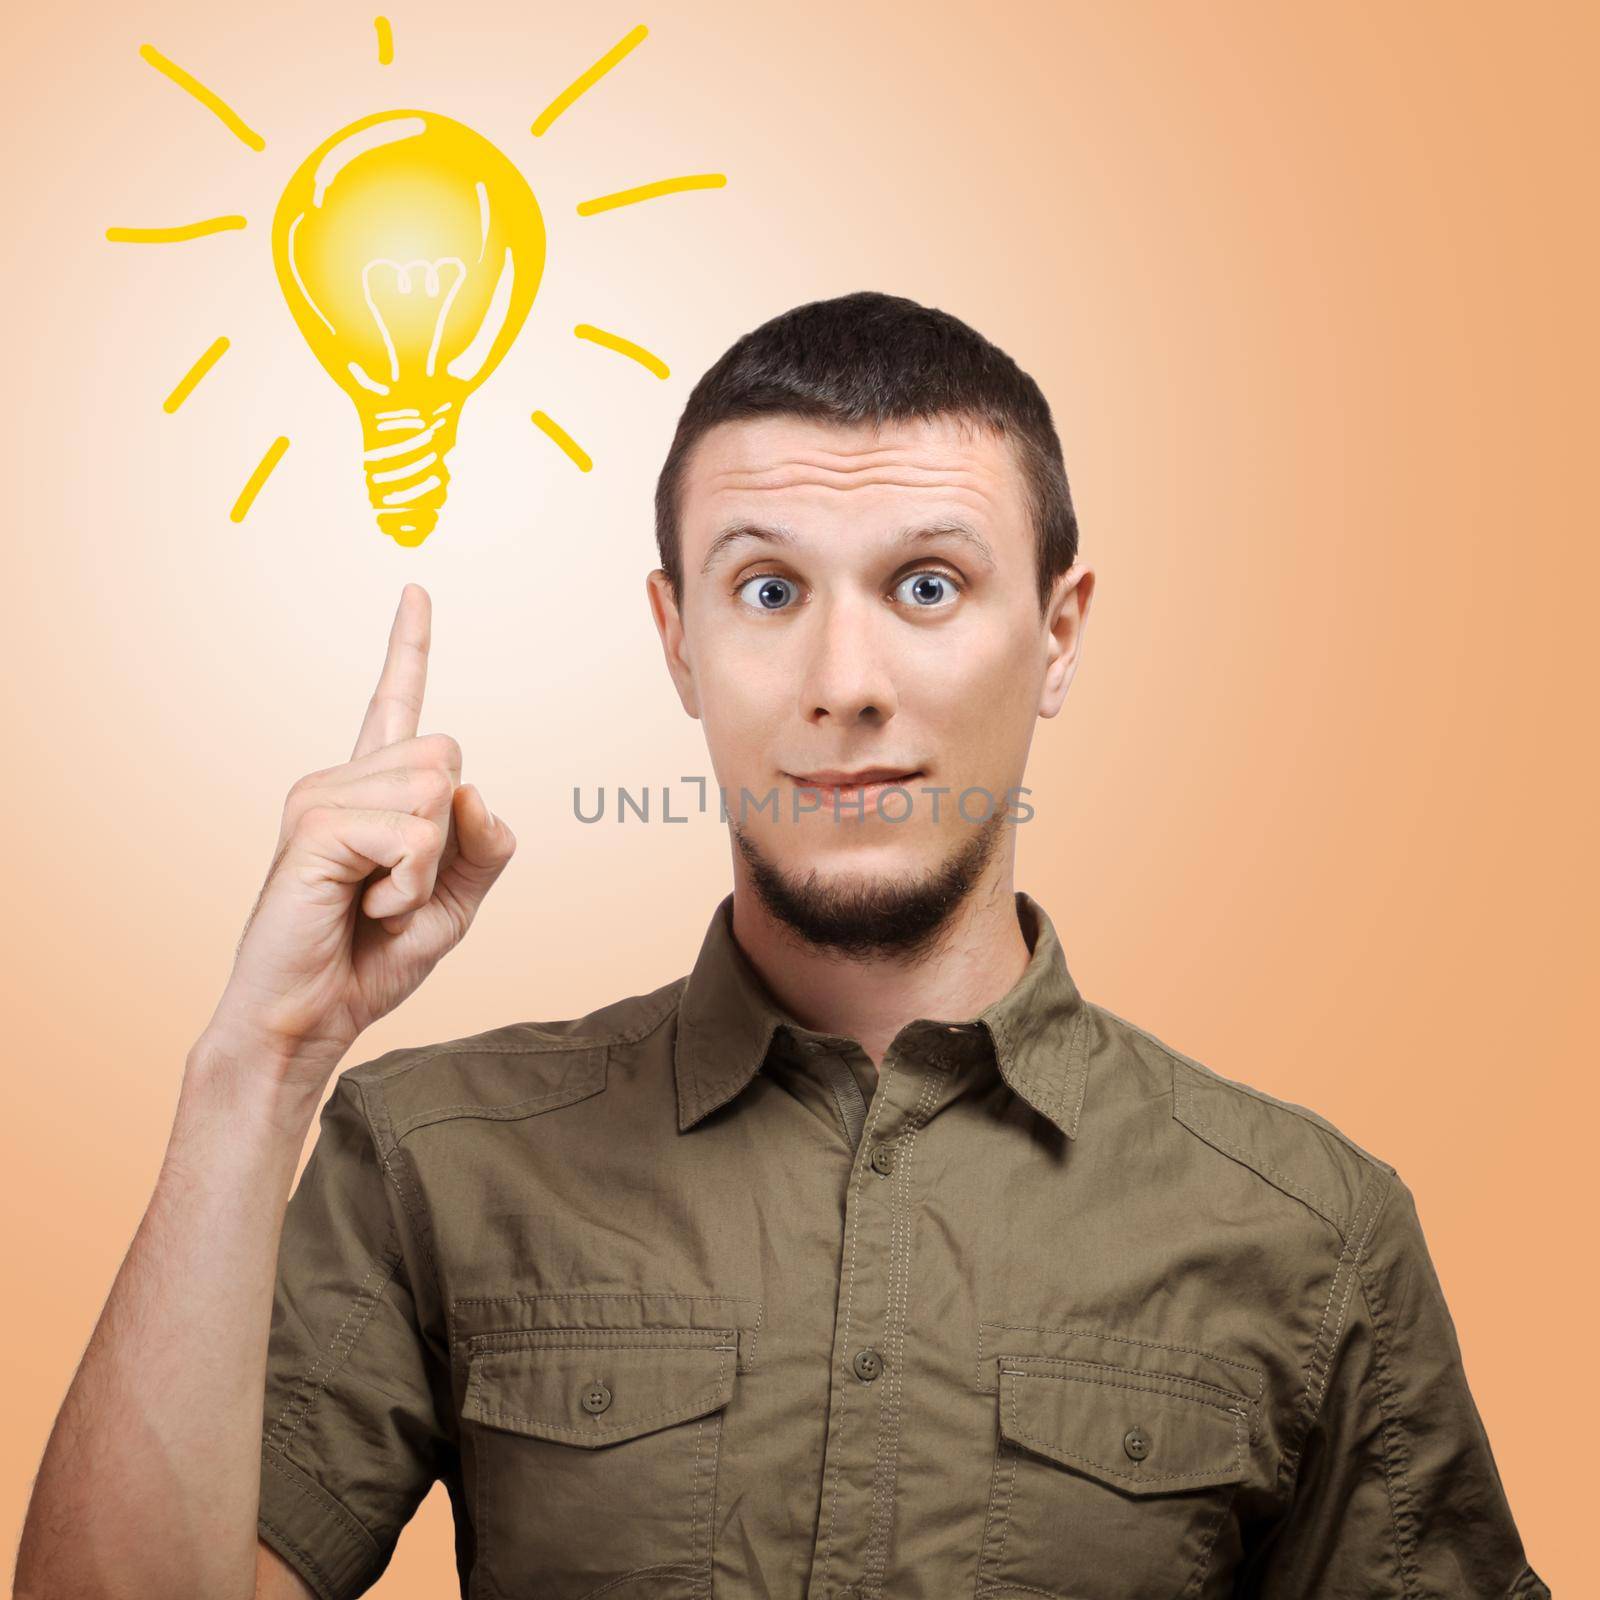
x: 847, y: 675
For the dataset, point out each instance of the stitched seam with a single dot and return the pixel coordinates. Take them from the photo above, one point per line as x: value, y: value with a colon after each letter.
x: 876, y: 1554
x: 1319, y: 1360
x: 325, y: 1505
x: 1254, y: 1093
x: 304, y: 1381
x: 1052, y: 1094
x: 711, y: 1507
x: 1011, y: 1494
x: 1156, y: 1385
x: 694, y: 1488
x: 1344, y: 1308
x: 1078, y: 1067
x: 1192, y: 1119
x: 482, y: 1572
x: 381, y: 1130
x: 598, y: 1051
x: 309, y: 1385
x: 1395, y: 1456
x: 834, y: 1446
x: 755, y: 1332
x: 683, y: 1412
x: 319, y: 1574
x: 1202, y: 1566
x: 747, y: 1345
x: 888, y: 1399
x: 600, y: 1294
x: 988, y: 1516
x: 497, y: 1416
x: 510, y: 1110
x: 886, y: 1393
x: 631, y: 1034
x: 481, y: 1344
x: 1045, y: 1098
x: 1099, y: 1333
x: 420, y: 1227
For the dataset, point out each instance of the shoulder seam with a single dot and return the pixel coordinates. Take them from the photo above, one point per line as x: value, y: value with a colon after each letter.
x: 389, y: 1151
x: 1183, y: 1111
x: 1255, y: 1094
x: 1374, y: 1195
x: 549, y: 1045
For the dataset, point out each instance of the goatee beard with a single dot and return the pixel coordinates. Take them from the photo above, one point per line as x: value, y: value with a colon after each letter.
x: 896, y: 917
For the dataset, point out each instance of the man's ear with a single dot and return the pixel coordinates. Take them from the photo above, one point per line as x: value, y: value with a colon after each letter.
x: 1065, y: 620
x: 669, y: 624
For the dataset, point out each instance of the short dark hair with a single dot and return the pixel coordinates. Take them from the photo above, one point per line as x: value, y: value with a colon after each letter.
x: 870, y: 357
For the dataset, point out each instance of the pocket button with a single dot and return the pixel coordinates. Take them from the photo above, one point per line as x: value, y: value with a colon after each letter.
x: 1136, y: 1443
x: 596, y: 1398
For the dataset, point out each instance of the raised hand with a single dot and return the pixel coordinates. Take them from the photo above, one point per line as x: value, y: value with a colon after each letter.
x: 380, y: 867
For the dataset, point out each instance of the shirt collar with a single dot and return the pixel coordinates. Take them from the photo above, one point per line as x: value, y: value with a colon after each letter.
x: 1036, y: 1030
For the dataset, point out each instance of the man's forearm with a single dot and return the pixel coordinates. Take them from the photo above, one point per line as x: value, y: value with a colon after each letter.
x: 150, y: 1480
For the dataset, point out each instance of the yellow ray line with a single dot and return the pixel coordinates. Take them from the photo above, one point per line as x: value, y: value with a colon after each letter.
x: 649, y: 191
x: 385, y: 40
x: 185, y: 230
x: 195, y: 373
x: 213, y: 103
x: 554, y: 429
x: 587, y: 80
x: 623, y: 347
x: 263, y: 471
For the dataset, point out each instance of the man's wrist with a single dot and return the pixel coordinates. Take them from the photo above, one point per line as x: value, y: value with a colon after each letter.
x: 257, y: 1077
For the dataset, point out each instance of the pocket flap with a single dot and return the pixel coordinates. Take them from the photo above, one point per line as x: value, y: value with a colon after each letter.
x: 594, y: 1386
x: 1139, y: 1431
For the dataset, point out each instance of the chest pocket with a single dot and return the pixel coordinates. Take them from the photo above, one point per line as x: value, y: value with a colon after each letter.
x: 1110, y: 1481
x: 596, y: 1459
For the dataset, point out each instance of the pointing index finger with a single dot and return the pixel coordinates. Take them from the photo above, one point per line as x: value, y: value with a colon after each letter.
x: 396, y: 705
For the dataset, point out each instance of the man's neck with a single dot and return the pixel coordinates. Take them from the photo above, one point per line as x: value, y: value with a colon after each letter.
x: 979, y: 957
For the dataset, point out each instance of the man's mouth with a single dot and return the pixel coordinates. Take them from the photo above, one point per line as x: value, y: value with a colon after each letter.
x: 865, y: 783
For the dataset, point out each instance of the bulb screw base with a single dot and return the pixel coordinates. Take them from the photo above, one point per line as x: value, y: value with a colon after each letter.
x: 403, y: 453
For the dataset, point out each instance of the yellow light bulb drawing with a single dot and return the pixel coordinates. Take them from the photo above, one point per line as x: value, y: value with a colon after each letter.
x: 409, y: 250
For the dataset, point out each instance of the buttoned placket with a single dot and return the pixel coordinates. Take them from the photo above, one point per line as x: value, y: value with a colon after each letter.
x: 867, y: 1388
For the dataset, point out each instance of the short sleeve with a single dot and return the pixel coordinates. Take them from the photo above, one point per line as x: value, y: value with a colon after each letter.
x: 354, y: 1419
x: 1397, y: 1493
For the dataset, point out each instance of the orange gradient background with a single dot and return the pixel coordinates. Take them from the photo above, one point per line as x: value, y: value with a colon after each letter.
x: 1311, y: 293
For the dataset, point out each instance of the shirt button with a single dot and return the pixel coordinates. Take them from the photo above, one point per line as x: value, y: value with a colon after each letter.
x: 596, y: 1397
x: 868, y: 1365
x: 882, y: 1159
x: 1136, y: 1443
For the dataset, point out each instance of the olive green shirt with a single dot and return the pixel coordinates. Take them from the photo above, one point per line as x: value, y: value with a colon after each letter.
x: 681, y: 1299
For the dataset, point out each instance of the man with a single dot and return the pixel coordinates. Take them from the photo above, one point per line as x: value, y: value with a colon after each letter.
x: 870, y: 1258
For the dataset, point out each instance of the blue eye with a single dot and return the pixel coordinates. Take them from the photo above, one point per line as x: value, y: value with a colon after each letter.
x: 764, y: 586
x: 926, y: 595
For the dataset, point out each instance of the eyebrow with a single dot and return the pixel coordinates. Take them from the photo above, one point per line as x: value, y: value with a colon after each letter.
x: 914, y: 533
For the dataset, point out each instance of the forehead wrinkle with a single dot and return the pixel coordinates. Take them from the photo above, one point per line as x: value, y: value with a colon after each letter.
x: 844, y: 488
x: 785, y: 475
x: 741, y: 530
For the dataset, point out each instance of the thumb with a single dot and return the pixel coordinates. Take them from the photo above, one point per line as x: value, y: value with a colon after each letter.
x: 484, y: 844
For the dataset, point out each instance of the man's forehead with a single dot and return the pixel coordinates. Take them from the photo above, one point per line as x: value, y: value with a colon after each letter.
x: 783, y: 471
x: 757, y: 449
